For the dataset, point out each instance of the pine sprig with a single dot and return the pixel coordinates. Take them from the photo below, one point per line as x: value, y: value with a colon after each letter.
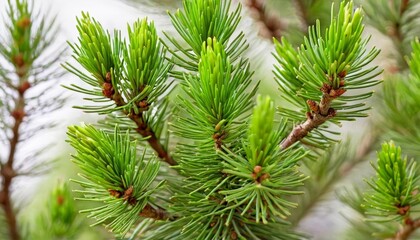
x: 394, y: 189
x: 116, y: 176
x: 219, y: 95
x: 399, y: 20
x: 145, y: 68
x: 200, y: 20
x: 28, y: 73
x: 99, y: 55
x: 127, y: 77
x: 401, y: 95
x: 265, y: 174
x: 318, y: 76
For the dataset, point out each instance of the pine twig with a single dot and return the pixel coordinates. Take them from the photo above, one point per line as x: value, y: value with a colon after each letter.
x: 7, y: 171
x: 405, y: 232
x: 272, y: 26
x: 142, y: 128
x: 320, y: 113
x: 155, y: 213
x: 303, y: 14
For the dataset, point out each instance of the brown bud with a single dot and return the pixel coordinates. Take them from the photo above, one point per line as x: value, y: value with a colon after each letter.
x: 342, y: 74
x: 257, y: 169
x: 331, y: 112
x: 143, y: 104
x: 128, y: 192
x: 403, y: 210
x: 342, y: 83
x: 60, y: 200
x: 18, y: 60
x: 23, y: 87
x: 325, y: 88
x: 264, y: 177
x: 337, y: 92
x: 253, y: 176
x: 313, y: 105
x: 18, y: 114
x: 212, y: 224
x: 233, y: 235
x: 408, y: 221
x: 309, y: 115
x: 107, y: 90
x: 108, y: 77
x: 24, y: 22
x: 114, y: 193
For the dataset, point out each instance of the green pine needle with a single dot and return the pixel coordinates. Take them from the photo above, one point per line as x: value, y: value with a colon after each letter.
x: 394, y: 190
x: 114, y: 175
x: 328, y: 65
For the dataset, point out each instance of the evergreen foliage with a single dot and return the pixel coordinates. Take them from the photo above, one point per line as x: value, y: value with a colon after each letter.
x: 124, y: 187
x: 237, y: 177
x: 235, y: 164
x: 28, y: 72
x: 324, y: 68
x: 394, y: 188
x: 401, y: 97
x: 398, y: 20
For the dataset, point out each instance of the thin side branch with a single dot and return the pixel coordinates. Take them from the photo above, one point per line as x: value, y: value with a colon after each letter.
x: 303, y: 14
x: 405, y: 232
x: 142, y: 128
x: 271, y: 25
x: 313, y: 120
x: 320, y: 112
x: 7, y: 171
x: 155, y: 213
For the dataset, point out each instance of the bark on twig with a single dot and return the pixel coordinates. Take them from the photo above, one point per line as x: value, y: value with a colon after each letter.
x: 271, y: 25
x: 405, y: 232
x: 7, y: 171
x: 155, y: 213
x: 142, y: 128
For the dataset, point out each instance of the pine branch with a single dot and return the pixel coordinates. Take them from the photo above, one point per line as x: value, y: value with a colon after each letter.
x: 134, y: 82
x: 320, y: 114
x: 405, y: 232
x: 7, y: 170
x: 272, y: 25
x: 21, y: 51
x: 126, y: 188
x: 398, y: 21
x: 143, y: 128
x: 303, y: 14
x: 329, y: 66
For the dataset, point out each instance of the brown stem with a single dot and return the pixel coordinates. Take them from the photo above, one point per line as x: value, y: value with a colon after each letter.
x: 271, y: 25
x: 303, y: 14
x: 155, y: 213
x: 397, y: 36
x: 405, y: 232
x: 322, y: 113
x: 144, y: 130
x: 7, y: 171
x: 404, y: 6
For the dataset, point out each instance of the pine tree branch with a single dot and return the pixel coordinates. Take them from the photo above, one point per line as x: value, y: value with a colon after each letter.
x: 155, y: 213
x: 7, y: 171
x: 320, y: 113
x: 405, y: 232
x: 303, y: 14
x: 272, y: 26
x: 144, y: 130
x: 142, y: 127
